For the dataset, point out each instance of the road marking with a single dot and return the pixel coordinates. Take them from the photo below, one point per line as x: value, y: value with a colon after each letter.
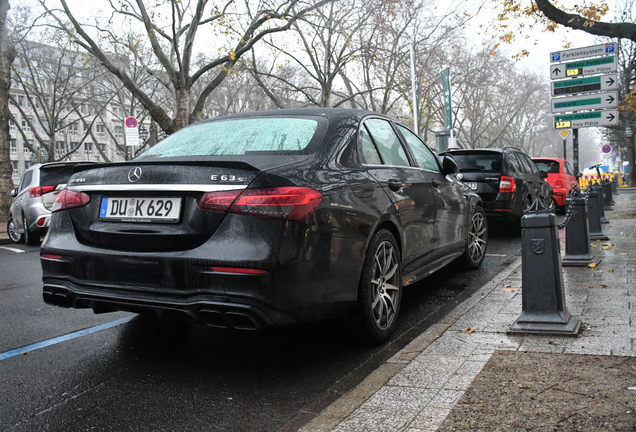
x: 12, y: 249
x: 56, y: 340
x: 496, y: 255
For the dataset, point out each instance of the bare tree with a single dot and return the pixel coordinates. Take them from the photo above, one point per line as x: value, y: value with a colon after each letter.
x: 7, y: 54
x: 171, y: 29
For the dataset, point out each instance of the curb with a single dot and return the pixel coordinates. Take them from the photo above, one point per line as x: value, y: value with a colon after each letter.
x: 343, y: 407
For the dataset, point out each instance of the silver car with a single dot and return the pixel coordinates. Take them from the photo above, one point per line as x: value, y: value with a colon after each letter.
x: 30, y: 212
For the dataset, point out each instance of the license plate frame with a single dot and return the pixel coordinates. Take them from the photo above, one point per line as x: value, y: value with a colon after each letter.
x: 140, y: 209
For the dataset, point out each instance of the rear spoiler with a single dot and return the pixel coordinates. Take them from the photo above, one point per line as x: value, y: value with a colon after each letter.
x: 165, y: 161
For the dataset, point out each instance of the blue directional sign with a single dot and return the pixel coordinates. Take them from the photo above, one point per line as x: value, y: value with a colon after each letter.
x: 591, y: 51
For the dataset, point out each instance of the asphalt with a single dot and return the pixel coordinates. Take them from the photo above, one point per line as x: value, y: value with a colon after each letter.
x: 432, y: 383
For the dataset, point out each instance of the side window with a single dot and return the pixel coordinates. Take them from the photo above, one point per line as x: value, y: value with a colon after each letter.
x: 387, y: 142
x: 531, y: 165
x: 521, y: 167
x: 423, y: 156
x: 26, y: 180
x: 370, y: 154
x: 513, y: 164
x: 568, y: 169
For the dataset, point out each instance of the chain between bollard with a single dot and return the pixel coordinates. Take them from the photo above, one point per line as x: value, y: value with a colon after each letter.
x: 570, y: 210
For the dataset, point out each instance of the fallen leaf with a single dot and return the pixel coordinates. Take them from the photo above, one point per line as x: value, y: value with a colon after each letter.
x: 604, y: 271
x: 592, y: 244
x: 468, y: 330
x: 592, y: 265
x: 509, y: 289
x: 625, y: 253
x: 25, y: 353
x: 594, y: 286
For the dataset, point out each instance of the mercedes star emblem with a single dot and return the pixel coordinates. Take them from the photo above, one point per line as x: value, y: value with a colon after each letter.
x: 134, y: 174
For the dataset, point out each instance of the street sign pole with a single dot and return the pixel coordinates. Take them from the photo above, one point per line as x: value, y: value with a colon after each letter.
x: 565, y: 149
x: 575, y: 150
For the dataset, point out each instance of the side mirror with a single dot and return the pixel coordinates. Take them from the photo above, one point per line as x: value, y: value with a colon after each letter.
x: 14, y: 193
x: 449, y: 165
x: 578, y: 175
x: 544, y: 174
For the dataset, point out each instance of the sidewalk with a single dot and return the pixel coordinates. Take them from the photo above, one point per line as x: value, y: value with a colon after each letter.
x: 467, y: 373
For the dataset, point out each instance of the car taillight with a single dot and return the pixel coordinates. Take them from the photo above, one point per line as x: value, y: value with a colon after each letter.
x: 559, y: 183
x: 285, y: 202
x: 67, y: 199
x: 507, y: 185
x: 40, y: 190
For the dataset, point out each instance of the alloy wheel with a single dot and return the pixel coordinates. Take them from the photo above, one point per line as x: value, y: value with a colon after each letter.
x: 385, y: 285
x: 12, y: 231
x: 476, y: 239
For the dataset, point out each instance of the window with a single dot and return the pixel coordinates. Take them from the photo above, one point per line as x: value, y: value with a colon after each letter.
x: 25, y: 125
x: 60, y: 146
x: 11, y: 125
x: 387, y: 142
x: 551, y: 167
x: 423, y: 156
x: 102, y: 147
x: 88, y: 147
x: 74, y: 146
x: 14, y: 165
x: 369, y: 152
x: 119, y: 131
x: 13, y: 145
x: 72, y: 129
x: 532, y: 168
x: 568, y: 169
x: 101, y: 130
x: 513, y: 165
x: 21, y: 101
x: 27, y: 165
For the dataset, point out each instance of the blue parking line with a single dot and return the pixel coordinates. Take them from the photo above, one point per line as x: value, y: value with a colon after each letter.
x: 56, y: 340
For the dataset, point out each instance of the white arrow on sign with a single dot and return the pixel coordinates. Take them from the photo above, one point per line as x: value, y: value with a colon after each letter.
x: 586, y: 119
x: 584, y: 102
x: 591, y: 51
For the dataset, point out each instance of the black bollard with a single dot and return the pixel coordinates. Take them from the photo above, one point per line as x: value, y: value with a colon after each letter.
x: 542, y: 294
x: 594, y: 216
x: 599, y: 197
x: 577, y: 234
x: 615, y: 184
x: 610, y: 193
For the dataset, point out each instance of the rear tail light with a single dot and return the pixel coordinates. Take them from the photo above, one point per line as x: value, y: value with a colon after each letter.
x: 67, y: 199
x: 507, y: 185
x: 238, y: 270
x: 40, y: 190
x: 287, y: 202
x: 52, y: 257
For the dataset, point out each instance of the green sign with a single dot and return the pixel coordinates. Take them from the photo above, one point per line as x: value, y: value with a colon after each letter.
x: 578, y: 103
x: 588, y: 63
x: 448, y: 103
x: 579, y: 116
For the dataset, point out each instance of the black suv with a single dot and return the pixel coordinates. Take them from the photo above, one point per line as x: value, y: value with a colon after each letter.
x: 506, y: 179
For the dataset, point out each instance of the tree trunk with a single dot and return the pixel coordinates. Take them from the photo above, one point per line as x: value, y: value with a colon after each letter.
x: 183, y: 108
x: 631, y: 160
x: 7, y: 54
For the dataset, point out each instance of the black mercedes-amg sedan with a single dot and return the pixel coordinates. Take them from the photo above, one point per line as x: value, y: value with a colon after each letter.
x: 261, y: 219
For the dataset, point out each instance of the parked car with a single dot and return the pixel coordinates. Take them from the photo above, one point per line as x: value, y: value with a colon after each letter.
x: 263, y: 219
x: 560, y: 176
x: 30, y: 212
x: 506, y: 179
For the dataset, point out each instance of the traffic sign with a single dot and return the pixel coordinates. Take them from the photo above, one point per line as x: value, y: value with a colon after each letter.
x: 607, y: 148
x: 132, y: 131
x: 591, y: 51
x: 565, y: 133
x: 584, y: 67
x: 586, y: 119
x: 585, y: 102
x: 584, y: 85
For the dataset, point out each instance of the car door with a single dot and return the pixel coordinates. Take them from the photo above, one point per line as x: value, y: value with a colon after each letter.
x: 409, y: 190
x: 21, y: 199
x: 537, y: 183
x: 450, y: 201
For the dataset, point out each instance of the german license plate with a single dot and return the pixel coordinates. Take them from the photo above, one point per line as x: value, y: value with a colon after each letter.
x: 472, y: 185
x: 140, y: 209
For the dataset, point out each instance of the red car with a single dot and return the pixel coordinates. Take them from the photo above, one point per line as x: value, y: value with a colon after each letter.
x: 560, y: 176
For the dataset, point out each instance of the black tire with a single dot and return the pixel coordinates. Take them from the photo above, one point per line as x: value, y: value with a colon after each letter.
x: 29, y: 238
x: 380, y: 288
x: 476, y: 242
x: 13, y: 233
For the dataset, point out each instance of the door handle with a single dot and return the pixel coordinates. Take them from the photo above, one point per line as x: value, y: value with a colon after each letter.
x: 394, y: 184
x: 435, y: 183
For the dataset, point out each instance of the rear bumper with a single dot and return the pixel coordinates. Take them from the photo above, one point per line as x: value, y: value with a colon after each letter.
x: 308, y: 276
x: 503, y: 208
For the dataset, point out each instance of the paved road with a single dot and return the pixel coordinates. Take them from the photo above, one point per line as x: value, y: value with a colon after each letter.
x: 143, y: 375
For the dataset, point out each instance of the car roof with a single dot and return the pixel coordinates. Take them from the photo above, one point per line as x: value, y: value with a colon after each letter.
x: 329, y: 113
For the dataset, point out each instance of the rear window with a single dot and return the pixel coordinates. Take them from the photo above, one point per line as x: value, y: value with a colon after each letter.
x: 551, y: 167
x: 264, y: 135
x: 478, y: 161
x: 54, y: 176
